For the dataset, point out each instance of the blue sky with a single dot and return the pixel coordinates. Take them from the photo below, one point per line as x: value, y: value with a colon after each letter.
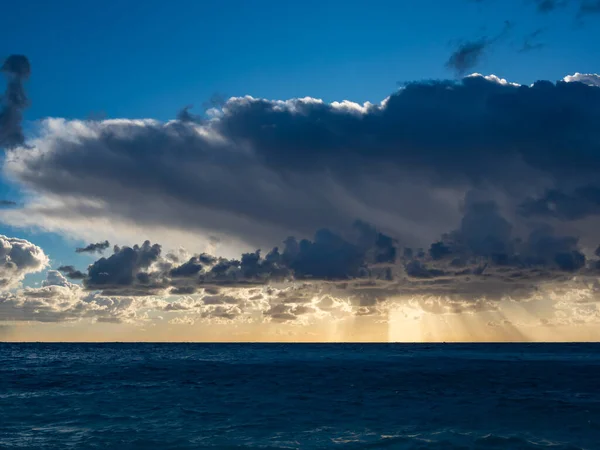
x: 148, y: 59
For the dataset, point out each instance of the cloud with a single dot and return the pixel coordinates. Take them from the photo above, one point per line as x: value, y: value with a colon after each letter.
x: 17, y: 70
x: 591, y: 79
x: 60, y: 301
x: 18, y: 258
x: 144, y: 270
x: 72, y: 273
x: 583, y: 8
x: 55, y: 278
x: 471, y: 268
x: 580, y: 203
x: 93, y: 248
x: 530, y: 42
x: 588, y: 7
x: 468, y: 54
x: 264, y: 170
x: 483, y: 260
x: 124, y: 268
x: 546, y: 6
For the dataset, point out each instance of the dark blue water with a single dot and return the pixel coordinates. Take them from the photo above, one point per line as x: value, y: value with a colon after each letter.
x: 506, y: 396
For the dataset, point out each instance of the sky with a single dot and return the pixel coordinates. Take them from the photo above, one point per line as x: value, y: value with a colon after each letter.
x: 300, y: 171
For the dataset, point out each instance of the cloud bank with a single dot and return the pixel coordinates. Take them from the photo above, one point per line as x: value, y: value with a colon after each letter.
x: 261, y: 170
x: 451, y: 197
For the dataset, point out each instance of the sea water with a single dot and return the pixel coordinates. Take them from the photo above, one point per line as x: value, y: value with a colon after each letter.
x: 404, y: 396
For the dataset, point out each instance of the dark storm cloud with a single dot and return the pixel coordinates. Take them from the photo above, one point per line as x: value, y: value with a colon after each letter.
x: 417, y: 269
x: 187, y: 269
x: 480, y: 126
x: 124, y: 268
x: 7, y: 203
x: 93, y: 248
x: 16, y: 68
x: 72, y: 273
x: 141, y: 270
x: 480, y: 262
x: 582, y: 202
x: 485, y: 246
x: 304, y: 164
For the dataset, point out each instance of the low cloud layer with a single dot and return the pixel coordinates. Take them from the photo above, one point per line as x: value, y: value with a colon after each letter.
x: 480, y: 263
x: 145, y: 270
x: 478, y: 268
x: 60, y: 301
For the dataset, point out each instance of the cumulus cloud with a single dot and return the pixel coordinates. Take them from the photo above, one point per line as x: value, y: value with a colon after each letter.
x: 125, y: 268
x: 144, y: 270
x: 58, y: 300
x: 471, y: 270
x: 16, y: 68
x: 591, y: 79
x: 19, y: 257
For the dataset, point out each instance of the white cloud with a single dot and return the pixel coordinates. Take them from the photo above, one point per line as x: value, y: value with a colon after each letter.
x: 19, y: 257
x: 591, y: 79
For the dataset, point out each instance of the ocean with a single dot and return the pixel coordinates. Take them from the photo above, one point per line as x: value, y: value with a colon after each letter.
x: 300, y: 396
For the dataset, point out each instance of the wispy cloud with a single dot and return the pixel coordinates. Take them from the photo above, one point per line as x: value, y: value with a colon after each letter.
x: 469, y: 54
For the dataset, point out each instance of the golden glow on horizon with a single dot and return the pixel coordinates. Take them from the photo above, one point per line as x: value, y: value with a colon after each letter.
x: 551, y: 315
x: 514, y: 323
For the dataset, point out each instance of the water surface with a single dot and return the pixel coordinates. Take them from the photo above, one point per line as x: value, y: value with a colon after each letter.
x: 404, y: 396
